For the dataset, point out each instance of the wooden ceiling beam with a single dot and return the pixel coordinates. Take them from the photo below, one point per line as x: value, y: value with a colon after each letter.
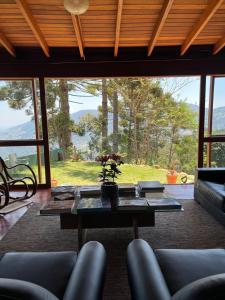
x: 24, y: 8
x: 161, y: 21
x: 77, y: 29
x: 219, y: 45
x: 199, y: 26
x: 7, y: 45
x: 118, y: 24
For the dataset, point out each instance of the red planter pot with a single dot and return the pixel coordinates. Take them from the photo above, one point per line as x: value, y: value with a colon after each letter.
x: 54, y: 182
x: 171, y: 178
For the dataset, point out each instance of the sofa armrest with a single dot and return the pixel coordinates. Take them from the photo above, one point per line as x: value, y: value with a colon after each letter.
x: 211, y: 174
x: 208, y: 288
x: 23, y: 290
x: 145, y: 277
x: 87, y: 279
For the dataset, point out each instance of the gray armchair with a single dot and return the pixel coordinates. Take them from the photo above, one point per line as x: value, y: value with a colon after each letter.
x: 53, y: 275
x: 175, y: 274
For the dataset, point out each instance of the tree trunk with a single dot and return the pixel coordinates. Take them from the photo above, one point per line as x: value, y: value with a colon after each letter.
x: 170, y: 156
x: 129, y: 140
x: 146, y: 145
x: 136, y: 154
x: 138, y: 137
x: 170, y: 165
x: 157, y: 147
x: 104, y: 116
x: 115, y: 122
x: 64, y: 117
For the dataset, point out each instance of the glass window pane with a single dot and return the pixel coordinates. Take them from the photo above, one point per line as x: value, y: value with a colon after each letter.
x: 215, y: 152
x: 207, y: 94
x: 25, y: 155
x: 17, y: 109
x: 152, y: 121
x: 218, y: 121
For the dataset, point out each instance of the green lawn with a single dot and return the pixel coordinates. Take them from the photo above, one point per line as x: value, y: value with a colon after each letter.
x: 80, y: 173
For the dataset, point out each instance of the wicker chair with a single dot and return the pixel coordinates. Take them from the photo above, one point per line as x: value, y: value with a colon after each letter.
x: 7, y: 183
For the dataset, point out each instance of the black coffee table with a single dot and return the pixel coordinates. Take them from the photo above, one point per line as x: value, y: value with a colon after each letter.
x: 97, y: 214
x: 94, y: 213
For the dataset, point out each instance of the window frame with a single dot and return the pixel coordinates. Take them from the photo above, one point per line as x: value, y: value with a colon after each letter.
x: 210, y: 138
x: 38, y: 141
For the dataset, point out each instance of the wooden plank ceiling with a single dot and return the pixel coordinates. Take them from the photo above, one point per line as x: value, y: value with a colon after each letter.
x: 113, y: 23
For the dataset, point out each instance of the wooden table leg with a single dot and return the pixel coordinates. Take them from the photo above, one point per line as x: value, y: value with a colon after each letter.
x: 80, y: 233
x: 135, y: 228
x: 84, y: 233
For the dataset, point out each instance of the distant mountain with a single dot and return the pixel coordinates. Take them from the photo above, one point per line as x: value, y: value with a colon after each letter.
x: 79, y: 114
x: 81, y: 142
x: 20, y: 132
x: 219, y: 118
x: 194, y: 107
x: 27, y: 130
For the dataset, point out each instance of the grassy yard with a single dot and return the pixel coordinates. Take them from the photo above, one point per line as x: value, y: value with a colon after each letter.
x: 80, y: 173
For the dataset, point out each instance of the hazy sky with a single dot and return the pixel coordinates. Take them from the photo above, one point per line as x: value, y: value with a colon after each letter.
x: 190, y: 92
x: 11, y: 117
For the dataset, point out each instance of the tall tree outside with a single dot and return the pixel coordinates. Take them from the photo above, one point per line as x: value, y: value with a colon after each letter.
x: 142, y: 118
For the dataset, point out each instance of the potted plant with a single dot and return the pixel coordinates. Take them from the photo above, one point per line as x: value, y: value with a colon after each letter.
x: 109, y: 188
x: 172, y: 175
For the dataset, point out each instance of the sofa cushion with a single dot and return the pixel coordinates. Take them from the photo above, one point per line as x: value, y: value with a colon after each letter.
x: 208, y: 288
x: 213, y: 192
x: 181, y: 267
x: 12, y: 289
x: 50, y: 270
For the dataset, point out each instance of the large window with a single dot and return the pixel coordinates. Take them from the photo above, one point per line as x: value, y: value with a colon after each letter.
x: 21, y: 136
x: 214, y: 133
x: 153, y: 122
